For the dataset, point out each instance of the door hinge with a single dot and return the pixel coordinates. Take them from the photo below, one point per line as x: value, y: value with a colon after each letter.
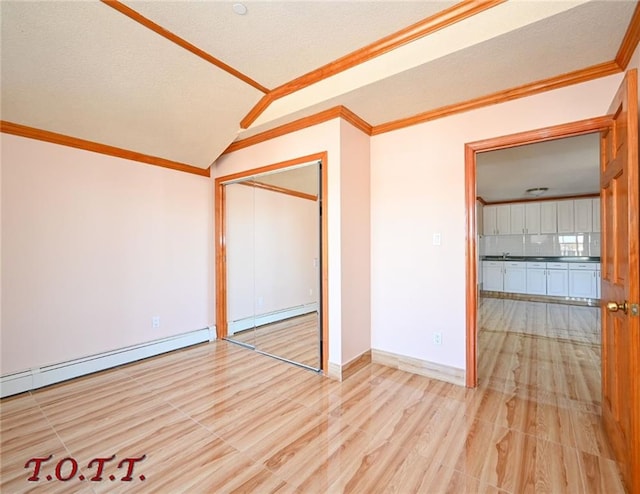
x: 634, y: 309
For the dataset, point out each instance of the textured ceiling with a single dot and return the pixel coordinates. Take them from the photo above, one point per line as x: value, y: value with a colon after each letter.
x: 566, y: 166
x: 279, y: 41
x: 85, y: 70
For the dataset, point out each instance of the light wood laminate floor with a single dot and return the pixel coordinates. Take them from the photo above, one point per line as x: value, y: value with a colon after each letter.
x: 296, y: 339
x: 220, y: 418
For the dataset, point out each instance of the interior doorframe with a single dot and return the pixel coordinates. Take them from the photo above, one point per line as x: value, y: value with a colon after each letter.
x: 587, y: 126
x: 221, y: 250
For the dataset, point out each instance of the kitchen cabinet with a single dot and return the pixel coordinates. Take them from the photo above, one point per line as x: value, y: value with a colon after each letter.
x: 536, y: 278
x: 549, y: 217
x: 598, y: 282
x: 557, y: 279
x: 492, y: 276
x: 583, y: 215
x: 565, y: 217
x: 595, y: 207
x: 496, y: 219
x: 525, y: 218
x: 515, y: 277
x: 583, y: 280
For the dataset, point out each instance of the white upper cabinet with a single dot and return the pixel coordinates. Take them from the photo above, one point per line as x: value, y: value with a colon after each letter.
x: 595, y: 206
x: 517, y: 218
x: 583, y: 215
x: 549, y: 217
x: 532, y: 218
x: 496, y: 219
x: 565, y: 217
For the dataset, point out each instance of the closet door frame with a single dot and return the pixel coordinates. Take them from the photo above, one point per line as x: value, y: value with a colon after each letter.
x: 221, y: 253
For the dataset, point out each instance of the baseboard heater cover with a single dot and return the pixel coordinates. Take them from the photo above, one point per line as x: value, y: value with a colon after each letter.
x: 40, y: 377
x: 271, y: 317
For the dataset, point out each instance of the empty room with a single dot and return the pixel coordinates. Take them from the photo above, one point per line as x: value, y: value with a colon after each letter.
x: 319, y: 247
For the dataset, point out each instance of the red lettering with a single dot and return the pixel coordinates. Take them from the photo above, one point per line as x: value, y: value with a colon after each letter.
x: 36, y: 470
x: 132, y: 461
x: 74, y: 469
x: 101, y: 461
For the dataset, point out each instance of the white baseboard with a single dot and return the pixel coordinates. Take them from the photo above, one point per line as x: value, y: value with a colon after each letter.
x: 271, y: 317
x: 416, y: 366
x: 44, y: 376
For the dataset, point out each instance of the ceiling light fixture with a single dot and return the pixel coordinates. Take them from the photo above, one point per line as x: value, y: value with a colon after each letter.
x: 239, y: 8
x: 536, y: 191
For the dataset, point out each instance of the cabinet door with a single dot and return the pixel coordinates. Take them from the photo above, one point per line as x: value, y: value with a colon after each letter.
x: 565, y: 217
x: 558, y: 282
x: 583, y: 215
x: 515, y: 278
x: 517, y: 219
x: 489, y: 220
x: 549, y: 217
x: 492, y: 276
x: 595, y: 206
x: 503, y: 219
x: 582, y: 283
x: 598, y: 283
x: 532, y: 218
x: 536, y: 281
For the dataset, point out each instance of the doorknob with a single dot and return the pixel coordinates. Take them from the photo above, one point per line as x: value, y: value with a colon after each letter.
x: 615, y: 307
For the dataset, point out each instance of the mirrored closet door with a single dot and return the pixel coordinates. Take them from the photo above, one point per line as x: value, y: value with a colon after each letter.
x: 273, y: 239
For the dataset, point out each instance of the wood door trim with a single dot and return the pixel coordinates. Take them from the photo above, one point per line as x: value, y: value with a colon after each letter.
x: 302, y: 123
x: 440, y: 20
x: 280, y: 190
x: 471, y: 149
x: 221, y: 250
x: 630, y: 40
x: 96, y: 147
x: 165, y: 33
x: 563, y: 80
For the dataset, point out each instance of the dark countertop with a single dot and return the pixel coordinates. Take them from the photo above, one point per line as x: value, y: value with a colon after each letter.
x: 542, y: 259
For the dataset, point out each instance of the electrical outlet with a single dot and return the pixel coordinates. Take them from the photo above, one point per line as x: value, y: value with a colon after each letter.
x: 155, y: 322
x: 437, y: 338
x: 260, y: 302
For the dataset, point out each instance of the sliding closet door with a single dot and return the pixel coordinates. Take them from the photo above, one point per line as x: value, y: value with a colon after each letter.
x: 240, y: 247
x: 287, y: 265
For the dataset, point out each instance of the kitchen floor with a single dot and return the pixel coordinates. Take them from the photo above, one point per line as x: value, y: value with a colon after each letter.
x: 222, y: 418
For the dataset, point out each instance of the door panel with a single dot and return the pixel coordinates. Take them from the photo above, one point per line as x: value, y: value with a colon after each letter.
x: 620, y: 281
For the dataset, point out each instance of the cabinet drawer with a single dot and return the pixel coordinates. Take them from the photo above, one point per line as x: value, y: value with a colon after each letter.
x: 536, y: 265
x: 492, y: 263
x: 589, y: 266
x: 515, y: 264
x: 557, y: 265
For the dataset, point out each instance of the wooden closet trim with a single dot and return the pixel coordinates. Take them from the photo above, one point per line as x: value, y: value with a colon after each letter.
x: 530, y: 137
x: 280, y: 190
x: 221, y: 250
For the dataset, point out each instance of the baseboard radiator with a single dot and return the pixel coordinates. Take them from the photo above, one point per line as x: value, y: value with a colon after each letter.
x: 39, y: 377
x: 271, y: 317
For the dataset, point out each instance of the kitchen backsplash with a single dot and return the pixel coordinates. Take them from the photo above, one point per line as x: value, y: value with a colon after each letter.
x: 556, y: 244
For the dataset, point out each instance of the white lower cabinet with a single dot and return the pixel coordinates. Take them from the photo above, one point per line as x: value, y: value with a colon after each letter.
x: 492, y: 276
x: 557, y: 280
x: 583, y: 280
x: 515, y: 277
x: 598, y: 282
x: 536, y: 278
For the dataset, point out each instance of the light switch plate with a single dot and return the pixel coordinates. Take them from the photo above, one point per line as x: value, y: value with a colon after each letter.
x: 437, y: 238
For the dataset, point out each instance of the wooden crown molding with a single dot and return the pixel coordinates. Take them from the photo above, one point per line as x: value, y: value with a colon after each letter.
x: 280, y: 190
x: 96, y: 147
x: 563, y: 80
x: 481, y: 200
x: 440, y: 20
x: 148, y: 23
x: 302, y: 123
x: 630, y: 40
x: 542, y: 199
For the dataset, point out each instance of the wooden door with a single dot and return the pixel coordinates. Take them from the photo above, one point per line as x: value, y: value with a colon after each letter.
x: 620, y: 281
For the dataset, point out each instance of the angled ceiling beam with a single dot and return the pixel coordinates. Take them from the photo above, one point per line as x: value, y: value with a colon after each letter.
x: 630, y: 40
x: 148, y: 23
x: 449, y: 16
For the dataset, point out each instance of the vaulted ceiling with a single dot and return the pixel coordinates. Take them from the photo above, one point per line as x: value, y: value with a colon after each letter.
x: 180, y: 81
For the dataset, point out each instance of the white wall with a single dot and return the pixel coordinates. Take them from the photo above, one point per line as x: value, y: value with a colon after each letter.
x: 356, y: 241
x: 272, y: 240
x: 93, y: 247
x: 417, y: 189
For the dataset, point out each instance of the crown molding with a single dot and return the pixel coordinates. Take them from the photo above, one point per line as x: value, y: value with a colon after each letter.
x: 96, y: 147
x: 630, y: 40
